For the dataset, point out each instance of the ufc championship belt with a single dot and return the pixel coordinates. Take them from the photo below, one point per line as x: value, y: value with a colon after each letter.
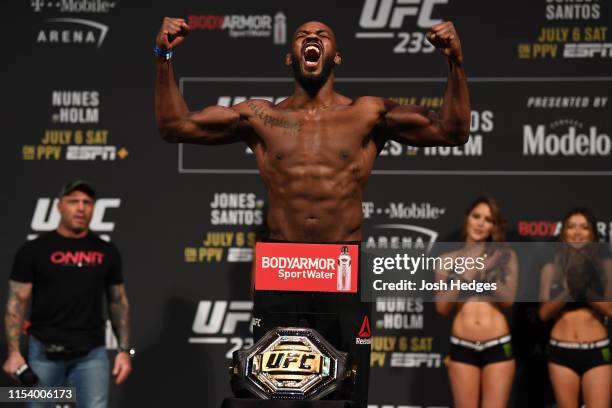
x: 289, y: 363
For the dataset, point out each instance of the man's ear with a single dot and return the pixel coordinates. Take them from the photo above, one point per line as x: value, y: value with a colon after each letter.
x: 288, y: 59
x: 338, y: 58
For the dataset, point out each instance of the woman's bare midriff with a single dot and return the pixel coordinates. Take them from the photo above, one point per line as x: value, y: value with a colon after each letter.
x: 479, y: 321
x: 579, y: 325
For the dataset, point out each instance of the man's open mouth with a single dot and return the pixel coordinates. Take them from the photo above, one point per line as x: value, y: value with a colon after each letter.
x: 312, y: 55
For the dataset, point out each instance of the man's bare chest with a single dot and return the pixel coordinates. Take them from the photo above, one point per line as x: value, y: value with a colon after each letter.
x: 321, y: 132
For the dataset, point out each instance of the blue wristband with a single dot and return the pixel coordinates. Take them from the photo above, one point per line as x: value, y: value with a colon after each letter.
x: 160, y: 52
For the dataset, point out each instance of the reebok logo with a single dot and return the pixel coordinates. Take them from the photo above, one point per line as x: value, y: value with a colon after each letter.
x: 364, y: 332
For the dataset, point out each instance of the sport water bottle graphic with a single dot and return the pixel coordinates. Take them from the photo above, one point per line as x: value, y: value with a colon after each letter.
x: 344, y: 269
x: 280, y: 28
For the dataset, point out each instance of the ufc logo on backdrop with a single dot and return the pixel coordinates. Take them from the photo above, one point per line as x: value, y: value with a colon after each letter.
x: 227, y: 101
x: 216, y: 322
x: 377, y: 14
x: 388, y: 20
x: 216, y: 317
x: 46, y: 216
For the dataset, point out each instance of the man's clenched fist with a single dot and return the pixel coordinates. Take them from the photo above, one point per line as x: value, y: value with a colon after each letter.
x: 444, y: 37
x: 13, y: 361
x: 171, y: 33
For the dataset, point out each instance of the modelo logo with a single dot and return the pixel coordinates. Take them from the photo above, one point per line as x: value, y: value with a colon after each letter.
x: 46, y: 216
x: 536, y: 142
x: 378, y: 14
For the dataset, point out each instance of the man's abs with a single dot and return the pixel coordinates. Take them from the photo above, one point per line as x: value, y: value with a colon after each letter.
x: 307, y: 220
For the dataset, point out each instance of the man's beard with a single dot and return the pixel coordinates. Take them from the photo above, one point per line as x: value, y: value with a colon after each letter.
x: 312, y: 83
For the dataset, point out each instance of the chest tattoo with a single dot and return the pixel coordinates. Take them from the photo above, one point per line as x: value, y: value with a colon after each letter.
x: 289, y: 126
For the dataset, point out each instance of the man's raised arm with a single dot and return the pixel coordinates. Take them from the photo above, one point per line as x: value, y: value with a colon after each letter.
x: 418, y: 126
x: 212, y: 125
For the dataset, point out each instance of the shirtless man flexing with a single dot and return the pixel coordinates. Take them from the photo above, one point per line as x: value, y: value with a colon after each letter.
x: 315, y: 151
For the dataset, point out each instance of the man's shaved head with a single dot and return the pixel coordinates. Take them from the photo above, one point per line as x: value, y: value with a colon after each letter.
x: 315, y: 26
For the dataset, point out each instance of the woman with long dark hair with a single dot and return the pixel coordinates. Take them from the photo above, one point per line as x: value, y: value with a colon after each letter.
x: 481, y: 366
x: 579, y: 360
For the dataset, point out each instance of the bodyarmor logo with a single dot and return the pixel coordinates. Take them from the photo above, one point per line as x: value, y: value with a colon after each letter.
x: 217, y: 323
x: 280, y: 28
x: 542, y: 228
x: 389, y: 16
x: 243, y: 26
x: 46, y: 216
x: 538, y: 228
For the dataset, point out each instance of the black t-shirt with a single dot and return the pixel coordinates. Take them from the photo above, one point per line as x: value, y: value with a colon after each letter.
x: 69, y: 277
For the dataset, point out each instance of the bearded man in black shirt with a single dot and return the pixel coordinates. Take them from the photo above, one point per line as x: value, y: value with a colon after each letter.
x: 66, y: 272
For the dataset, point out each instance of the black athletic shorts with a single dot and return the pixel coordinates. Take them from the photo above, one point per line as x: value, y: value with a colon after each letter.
x: 482, y: 353
x: 580, y: 357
